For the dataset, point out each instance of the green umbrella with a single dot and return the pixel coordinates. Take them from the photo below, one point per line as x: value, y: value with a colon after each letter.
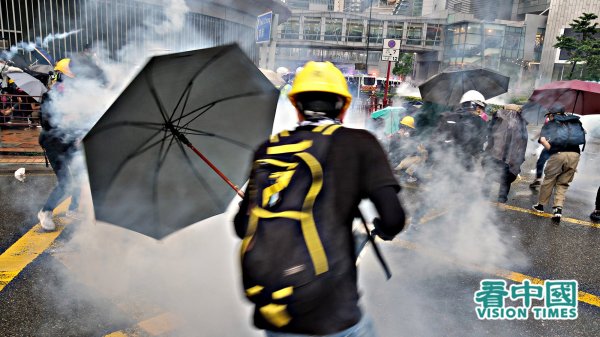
x: 391, y: 116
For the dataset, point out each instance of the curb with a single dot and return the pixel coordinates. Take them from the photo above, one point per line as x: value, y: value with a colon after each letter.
x: 29, y: 168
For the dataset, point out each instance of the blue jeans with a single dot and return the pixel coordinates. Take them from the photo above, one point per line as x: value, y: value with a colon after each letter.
x: 364, y: 328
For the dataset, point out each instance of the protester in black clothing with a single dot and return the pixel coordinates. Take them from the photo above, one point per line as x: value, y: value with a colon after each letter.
x: 595, y: 216
x: 505, y: 151
x: 463, y: 131
x: 60, y: 146
x: 354, y: 167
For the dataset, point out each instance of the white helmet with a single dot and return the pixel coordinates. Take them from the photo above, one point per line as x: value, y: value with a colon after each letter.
x: 473, y: 96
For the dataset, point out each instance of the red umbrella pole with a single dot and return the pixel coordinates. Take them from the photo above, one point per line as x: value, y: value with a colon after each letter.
x: 212, y: 166
x: 186, y: 141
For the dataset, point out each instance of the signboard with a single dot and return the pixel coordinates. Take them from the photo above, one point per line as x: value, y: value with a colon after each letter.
x: 391, y: 50
x: 263, y: 27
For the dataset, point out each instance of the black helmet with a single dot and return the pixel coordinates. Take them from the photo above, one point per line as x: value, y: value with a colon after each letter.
x: 556, y: 108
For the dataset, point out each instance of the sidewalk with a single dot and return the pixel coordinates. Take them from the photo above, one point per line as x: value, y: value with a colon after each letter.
x: 20, y: 148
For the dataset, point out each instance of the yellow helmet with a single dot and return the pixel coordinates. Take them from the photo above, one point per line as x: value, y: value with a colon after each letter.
x: 408, y: 121
x: 321, y: 76
x: 63, y: 67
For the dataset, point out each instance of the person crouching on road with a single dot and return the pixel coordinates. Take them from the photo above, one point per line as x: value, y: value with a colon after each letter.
x: 412, y: 153
x: 60, y: 147
x: 298, y: 257
x: 505, y: 151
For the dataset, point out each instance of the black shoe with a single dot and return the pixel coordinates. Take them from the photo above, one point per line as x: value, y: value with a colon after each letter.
x: 536, y: 183
x: 556, y: 213
x: 595, y: 216
x: 502, y: 200
x: 538, y: 208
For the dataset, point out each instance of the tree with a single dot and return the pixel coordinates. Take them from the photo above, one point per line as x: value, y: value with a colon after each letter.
x: 404, y: 66
x: 584, y: 46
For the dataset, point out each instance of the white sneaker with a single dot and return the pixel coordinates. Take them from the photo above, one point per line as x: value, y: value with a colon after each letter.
x: 46, y: 221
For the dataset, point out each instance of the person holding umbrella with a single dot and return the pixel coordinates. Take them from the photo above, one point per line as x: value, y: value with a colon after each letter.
x: 561, y: 136
x: 298, y: 256
x: 60, y: 147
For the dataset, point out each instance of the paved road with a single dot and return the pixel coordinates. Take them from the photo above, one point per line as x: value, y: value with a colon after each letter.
x: 97, y: 279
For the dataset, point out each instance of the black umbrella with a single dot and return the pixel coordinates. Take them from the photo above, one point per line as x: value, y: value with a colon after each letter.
x: 142, y: 172
x: 447, y: 87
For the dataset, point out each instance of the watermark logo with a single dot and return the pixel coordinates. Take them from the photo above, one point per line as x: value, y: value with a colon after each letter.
x: 554, y: 299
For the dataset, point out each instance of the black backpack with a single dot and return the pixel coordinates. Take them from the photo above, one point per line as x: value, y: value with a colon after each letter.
x: 567, y: 132
x: 285, y: 264
x: 463, y: 130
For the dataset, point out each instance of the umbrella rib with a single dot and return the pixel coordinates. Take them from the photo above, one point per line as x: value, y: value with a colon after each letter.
x: 161, y: 159
x: 139, y: 151
x: 230, y: 140
x: 143, y: 125
x: 211, y: 104
x: 196, y: 173
x: 188, y: 91
x: 154, y: 93
x: 191, y: 82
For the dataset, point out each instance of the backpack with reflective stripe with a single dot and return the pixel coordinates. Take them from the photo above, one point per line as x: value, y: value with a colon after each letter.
x: 283, y: 255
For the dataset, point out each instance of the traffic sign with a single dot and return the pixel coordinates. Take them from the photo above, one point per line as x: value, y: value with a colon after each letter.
x: 391, y: 50
x: 391, y: 44
x: 263, y: 27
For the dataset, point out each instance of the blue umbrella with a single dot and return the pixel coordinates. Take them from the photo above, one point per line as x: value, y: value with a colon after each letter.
x: 42, y: 56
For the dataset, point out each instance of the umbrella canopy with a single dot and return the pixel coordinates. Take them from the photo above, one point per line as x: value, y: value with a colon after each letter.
x: 391, y: 117
x: 31, y: 85
x: 213, y: 101
x: 446, y: 88
x: 579, y: 97
x: 42, y: 56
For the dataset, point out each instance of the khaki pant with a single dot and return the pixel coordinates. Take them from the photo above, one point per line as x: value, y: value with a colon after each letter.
x: 559, y: 172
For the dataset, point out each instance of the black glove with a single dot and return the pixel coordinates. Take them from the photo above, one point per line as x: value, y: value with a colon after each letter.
x: 377, y: 231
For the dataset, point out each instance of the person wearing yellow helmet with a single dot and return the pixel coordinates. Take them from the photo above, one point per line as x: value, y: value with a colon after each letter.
x: 300, y: 272
x: 61, y: 144
x: 408, y: 155
x: 63, y: 67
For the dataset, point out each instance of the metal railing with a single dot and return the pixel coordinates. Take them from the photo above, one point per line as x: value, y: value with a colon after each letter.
x: 19, y: 110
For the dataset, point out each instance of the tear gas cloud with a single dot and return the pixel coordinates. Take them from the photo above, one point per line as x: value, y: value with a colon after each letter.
x: 194, y: 273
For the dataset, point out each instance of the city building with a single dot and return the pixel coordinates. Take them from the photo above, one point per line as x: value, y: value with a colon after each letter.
x: 115, y: 23
x: 560, y: 14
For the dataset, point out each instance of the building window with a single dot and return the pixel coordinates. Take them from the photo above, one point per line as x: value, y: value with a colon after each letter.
x: 394, y: 30
x: 433, y: 35
x: 414, y: 34
x: 354, y: 30
x: 376, y: 32
x: 291, y: 29
x: 312, y: 28
x: 333, y: 29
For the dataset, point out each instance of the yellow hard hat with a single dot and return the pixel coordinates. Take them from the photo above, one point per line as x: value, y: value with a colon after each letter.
x: 408, y: 121
x: 320, y: 76
x: 63, y: 67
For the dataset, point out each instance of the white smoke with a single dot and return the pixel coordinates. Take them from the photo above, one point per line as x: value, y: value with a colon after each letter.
x: 58, y: 36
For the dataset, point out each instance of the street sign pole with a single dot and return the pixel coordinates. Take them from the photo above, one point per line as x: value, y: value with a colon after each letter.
x: 387, y: 84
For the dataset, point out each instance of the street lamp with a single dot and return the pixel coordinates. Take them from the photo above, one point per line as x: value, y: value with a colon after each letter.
x: 368, y: 35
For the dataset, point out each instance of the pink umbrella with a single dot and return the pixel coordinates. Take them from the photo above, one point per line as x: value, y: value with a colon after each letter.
x: 579, y: 97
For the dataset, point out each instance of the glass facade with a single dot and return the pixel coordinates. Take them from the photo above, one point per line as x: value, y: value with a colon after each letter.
x: 482, y: 44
